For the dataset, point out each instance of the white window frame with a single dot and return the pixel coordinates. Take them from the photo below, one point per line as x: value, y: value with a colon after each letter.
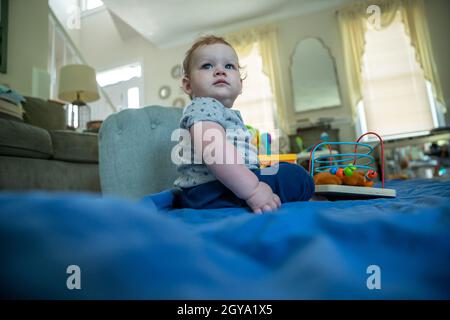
x: 86, y: 12
x: 118, y: 68
x: 138, y: 97
x: 137, y: 82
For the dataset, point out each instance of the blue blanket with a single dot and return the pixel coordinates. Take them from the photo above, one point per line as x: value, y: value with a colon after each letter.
x: 366, y: 249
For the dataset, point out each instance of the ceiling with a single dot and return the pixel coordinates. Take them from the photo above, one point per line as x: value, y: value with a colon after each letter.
x: 167, y: 23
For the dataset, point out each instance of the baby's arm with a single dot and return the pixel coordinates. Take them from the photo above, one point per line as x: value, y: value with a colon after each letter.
x: 236, y: 176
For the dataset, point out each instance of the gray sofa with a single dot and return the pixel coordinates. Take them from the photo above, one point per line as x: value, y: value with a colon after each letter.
x: 135, y: 151
x: 37, y: 153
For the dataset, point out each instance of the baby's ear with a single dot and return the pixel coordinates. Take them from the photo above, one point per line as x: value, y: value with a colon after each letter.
x: 186, y: 84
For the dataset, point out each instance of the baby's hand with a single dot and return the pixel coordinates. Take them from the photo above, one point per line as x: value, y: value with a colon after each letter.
x: 263, y: 199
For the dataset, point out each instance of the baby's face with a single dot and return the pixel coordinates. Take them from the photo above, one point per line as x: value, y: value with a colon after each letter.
x: 215, y: 74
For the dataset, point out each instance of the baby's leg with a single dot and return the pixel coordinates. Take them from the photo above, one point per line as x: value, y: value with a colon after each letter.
x: 210, y: 195
x: 290, y: 183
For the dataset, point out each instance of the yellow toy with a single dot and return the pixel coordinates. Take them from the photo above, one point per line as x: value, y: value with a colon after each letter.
x: 266, y: 160
x: 262, y: 142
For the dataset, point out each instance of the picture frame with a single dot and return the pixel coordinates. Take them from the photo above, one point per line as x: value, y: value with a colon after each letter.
x: 179, y: 103
x: 177, y: 71
x: 164, y: 92
x: 4, y: 9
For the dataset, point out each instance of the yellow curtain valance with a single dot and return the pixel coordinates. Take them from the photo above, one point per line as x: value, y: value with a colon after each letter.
x: 380, y: 12
x: 243, y: 41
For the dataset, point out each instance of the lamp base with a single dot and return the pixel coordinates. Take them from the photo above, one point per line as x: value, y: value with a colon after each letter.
x: 78, y: 114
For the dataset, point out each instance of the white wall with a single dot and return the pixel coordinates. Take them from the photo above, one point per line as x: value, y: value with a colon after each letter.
x: 101, y: 44
x: 105, y: 49
x: 158, y: 66
x: 68, y: 13
x: 27, y: 43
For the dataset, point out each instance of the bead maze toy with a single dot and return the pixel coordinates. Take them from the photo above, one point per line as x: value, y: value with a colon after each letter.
x: 348, y: 175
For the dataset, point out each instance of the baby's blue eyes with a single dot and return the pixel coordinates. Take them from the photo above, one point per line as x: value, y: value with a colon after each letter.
x: 230, y: 66
x: 208, y: 66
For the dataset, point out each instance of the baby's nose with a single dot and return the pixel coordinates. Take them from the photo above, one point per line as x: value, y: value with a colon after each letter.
x: 219, y: 71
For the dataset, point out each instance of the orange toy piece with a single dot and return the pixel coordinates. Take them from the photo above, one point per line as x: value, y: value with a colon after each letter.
x: 340, y: 172
x: 326, y: 178
x: 357, y: 179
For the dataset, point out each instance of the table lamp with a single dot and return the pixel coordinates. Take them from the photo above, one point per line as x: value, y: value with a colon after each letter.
x: 78, y: 85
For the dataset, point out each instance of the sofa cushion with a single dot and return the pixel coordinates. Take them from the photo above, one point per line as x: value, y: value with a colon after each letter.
x: 26, y: 174
x: 75, y: 147
x: 44, y: 114
x: 24, y: 140
x: 10, y: 110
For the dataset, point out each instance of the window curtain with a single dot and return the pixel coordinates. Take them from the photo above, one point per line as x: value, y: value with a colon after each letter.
x: 352, y: 22
x: 243, y: 42
x: 413, y: 15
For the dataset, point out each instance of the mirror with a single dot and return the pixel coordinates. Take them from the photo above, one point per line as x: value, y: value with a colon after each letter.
x: 314, y: 81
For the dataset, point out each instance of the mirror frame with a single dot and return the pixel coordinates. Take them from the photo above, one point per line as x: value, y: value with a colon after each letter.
x: 333, y: 60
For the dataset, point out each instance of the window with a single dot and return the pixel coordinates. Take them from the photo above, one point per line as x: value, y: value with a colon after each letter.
x: 87, y: 5
x: 396, y: 98
x: 117, y: 75
x: 133, y: 97
x: 72, y: 111
x: 256, y: 103
x: 124, y: 85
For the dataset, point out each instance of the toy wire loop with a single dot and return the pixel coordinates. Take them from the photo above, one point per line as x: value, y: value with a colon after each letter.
x: 360, y: 158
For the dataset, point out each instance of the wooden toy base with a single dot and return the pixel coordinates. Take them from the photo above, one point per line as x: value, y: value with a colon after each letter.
x: 339, y: 192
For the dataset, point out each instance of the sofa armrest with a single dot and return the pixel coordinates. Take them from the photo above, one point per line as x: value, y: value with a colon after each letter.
x: 135, y: 151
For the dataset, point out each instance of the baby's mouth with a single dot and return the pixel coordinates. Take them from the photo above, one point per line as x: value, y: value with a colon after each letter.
x: 220, y: 82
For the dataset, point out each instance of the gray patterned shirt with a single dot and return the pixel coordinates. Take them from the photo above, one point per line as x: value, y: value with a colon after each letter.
x: 209, y: 109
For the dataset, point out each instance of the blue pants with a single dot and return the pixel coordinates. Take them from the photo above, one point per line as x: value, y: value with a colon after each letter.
x: 290, y: 183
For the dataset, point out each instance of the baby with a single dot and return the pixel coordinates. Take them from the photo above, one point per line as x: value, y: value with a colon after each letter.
x: 213, y: 81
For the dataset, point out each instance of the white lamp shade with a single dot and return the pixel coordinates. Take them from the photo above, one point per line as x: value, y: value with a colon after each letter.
x: 78, y: 82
